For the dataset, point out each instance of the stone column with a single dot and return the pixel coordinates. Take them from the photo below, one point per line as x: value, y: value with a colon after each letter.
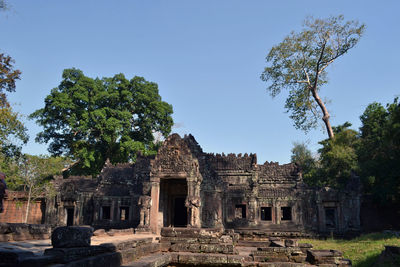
x: 155, y: 195
x: 112, y: 210
x: 252, y: 210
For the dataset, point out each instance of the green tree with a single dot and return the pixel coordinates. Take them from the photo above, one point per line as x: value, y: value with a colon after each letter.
x: 299, y: 64
x: 35, y: 173
x: 338, y: 157
x: 3, y: 5
x: 91, y: 120
x: 302, y: 156
x: 379, y: 152
x: 12, y: 130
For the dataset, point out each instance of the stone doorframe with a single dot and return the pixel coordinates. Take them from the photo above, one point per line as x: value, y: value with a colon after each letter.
x: 192, y: 203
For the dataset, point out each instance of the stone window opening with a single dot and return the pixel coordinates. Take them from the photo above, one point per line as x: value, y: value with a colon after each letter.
x: 106, y: 213
x: 286, y: 213
x: 240, y: 211
x: 124, y: 213
x: 266, y: 214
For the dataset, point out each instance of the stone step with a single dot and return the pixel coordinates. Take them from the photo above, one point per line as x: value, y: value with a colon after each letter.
x: 249, y: 243
x: 154, y: 260
x: 127, y: 244
x: 132, y: 254
x: 206, y: 259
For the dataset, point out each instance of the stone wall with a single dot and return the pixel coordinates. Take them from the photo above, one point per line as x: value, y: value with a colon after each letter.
x: 15, y: 209
x: 213, y: 190
x: 23, y: 231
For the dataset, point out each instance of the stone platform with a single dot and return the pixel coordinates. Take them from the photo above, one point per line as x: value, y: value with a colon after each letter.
x: 175, y: 247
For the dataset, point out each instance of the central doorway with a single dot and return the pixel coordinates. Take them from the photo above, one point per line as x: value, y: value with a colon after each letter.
x: 173, y: 193
x: 180, y: 212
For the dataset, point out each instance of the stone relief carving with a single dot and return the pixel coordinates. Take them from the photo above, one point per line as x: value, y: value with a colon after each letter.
x: 192, y: 204
x: 145, y: 203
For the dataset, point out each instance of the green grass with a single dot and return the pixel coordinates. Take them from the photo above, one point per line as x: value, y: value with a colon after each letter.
x: 363, y: 251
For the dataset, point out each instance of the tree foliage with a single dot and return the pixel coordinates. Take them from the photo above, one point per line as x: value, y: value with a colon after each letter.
x: 91, y: 120
x: 41, y: 169
x: 373, y: 154
x: 303, y: 157
x: 32, y: 175
x: 299, y: 65
x: 12, y: 130
x: 379, y: 151
x: 338, y: 157
x: 337, y: 161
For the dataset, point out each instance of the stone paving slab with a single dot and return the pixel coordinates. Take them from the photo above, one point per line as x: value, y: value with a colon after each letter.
x: 37, y: 247
x: 154, y: 260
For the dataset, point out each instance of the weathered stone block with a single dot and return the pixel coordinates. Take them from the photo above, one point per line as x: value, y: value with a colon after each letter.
x: 178, y: 239
x: 112, y: 259
x: 129, y: 255
x: 38, y: 261
x: 298, y: 258
x: 174, y: 256
x: 165, y: 246
x: 131, y: 243
x: 305, y: 246
x: 275, y: 258
x: 66, y: 255
x: 209, y: 240
x: 186, y: 247
x: 277, y: 243
x: 345, y: 263
x: 291, y: 243
x: 168, y: 232
x: 71, y: 236
x: 236, y: 259
x: 217, y: 248
x: 324, y: 256
x: 12, y: 257
x: 206, y: 259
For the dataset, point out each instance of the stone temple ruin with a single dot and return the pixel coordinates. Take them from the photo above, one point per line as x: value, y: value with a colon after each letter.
x: 184, y: 187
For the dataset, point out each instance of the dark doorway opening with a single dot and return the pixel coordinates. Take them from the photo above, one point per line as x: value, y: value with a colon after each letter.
x: 330, y: 218
x: 173, y: 193
x: 286, y: 213
x: 180, y: 212
x: 106, y: 212
x: 70, y: 216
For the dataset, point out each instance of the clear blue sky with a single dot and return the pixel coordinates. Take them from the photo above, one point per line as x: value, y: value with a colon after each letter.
x: 206, y: 57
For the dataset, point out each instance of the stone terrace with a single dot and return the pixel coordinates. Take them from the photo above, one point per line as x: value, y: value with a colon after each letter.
x: 72, y: 246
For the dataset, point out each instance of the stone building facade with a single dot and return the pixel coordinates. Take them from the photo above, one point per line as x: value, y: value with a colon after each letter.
x: 184, y: 187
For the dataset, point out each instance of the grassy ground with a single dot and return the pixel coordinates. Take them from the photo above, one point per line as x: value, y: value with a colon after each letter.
x: 363, y: 251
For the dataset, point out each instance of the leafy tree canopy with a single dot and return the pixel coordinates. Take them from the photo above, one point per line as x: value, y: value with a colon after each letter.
x: 29, y: 169
x: 337, y: 159
x: 302, y: 156
x: 12, y: 130
x: 299, y: 64
x: 379, y: 151
x: 91, y: 120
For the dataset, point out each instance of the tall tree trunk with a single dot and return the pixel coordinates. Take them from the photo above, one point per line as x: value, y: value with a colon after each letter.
x: 28, y: 205
x: 326, y: 116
